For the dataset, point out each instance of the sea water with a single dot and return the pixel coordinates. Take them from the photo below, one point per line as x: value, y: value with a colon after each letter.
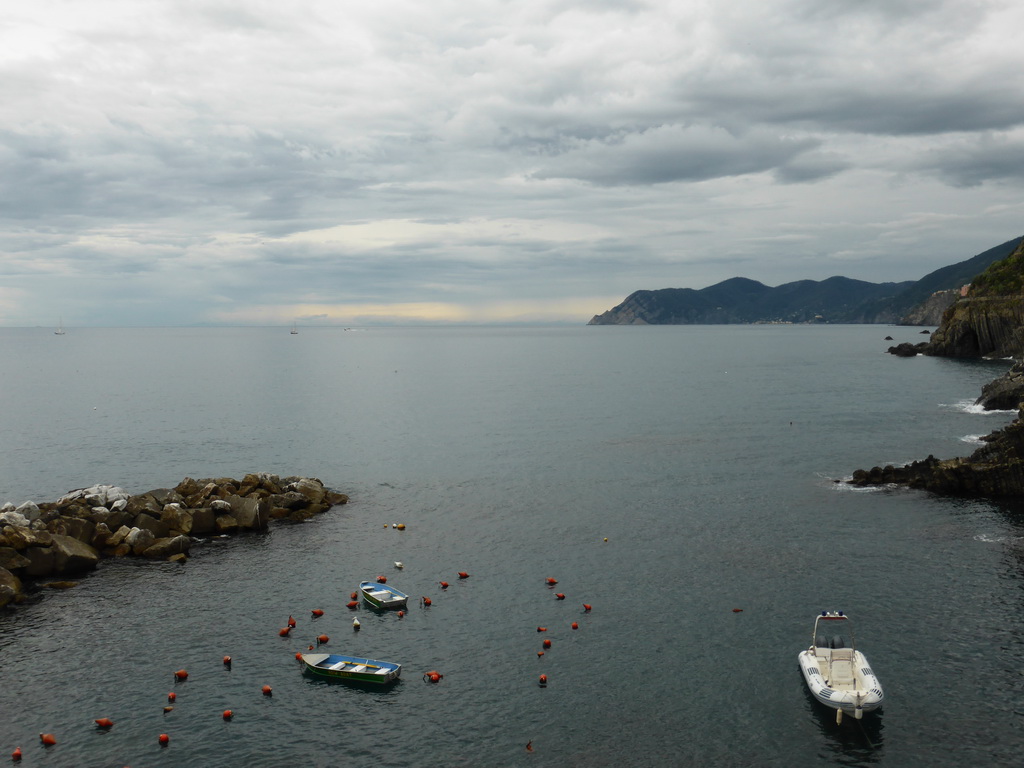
x: 682, y: 481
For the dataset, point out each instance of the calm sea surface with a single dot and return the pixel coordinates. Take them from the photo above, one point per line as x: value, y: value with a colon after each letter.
x: 664, y: 475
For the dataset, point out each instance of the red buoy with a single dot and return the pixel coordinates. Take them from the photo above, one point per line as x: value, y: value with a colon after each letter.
x: 382, y: 579
x: 164, y: 739
x: 401, y: 614
x: 283, y: 631
x: 539, y: 654
x: 543, y: 680
x: 433, y: 676
x: 463, y: 575
x: 104, y: 722
x: 318, y: 612
x: 529, y: 746
x: 354, y: 595
x: 542, y: 629
x: 172, y: 696
x: 322, y: 639
x: 228, y: 714
x: 575, y: 625
x: 16, y: 754
x: 48, y: 739
x: 181, y: 674
x: 298, y: 655
x: 268, y: 691
x: 550, y: 581
x: 291, y: 622
x: 559, y: 596
x: 227, y: 662
x: 444, y: 585
x: 547, y: 643
x: 586, y: 608
x: 426, y: 602
x: 352, y: 604
x: 737, y: 610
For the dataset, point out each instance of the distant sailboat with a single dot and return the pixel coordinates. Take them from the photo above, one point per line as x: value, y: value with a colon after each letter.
x: 294, y: 329
x: 60, y: 328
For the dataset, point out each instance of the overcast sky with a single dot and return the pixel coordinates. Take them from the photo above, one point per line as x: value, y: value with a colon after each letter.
x: 180, y: 162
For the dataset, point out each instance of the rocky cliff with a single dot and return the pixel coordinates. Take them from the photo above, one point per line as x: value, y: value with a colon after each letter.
x: 987, y: 322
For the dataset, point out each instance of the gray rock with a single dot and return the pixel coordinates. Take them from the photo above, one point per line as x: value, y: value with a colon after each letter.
x: 11, y: 560
x: 72, y: 556
x: 161, y: 549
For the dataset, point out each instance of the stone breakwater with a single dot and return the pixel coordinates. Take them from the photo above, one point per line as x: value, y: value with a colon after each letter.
x: 73, y: 534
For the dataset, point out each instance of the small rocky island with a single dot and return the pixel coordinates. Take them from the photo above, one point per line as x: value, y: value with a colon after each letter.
x: 987, y: 320
x: 73, y: 534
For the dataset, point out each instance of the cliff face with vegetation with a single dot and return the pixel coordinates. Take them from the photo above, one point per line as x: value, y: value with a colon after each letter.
x: 989, y: 320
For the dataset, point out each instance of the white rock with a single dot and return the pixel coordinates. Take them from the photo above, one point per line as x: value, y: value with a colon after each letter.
x: 30, y: 510
x: 11, y: 517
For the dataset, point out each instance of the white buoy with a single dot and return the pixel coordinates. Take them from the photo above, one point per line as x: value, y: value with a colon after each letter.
x: 399, y: 564
x: 355, y: 623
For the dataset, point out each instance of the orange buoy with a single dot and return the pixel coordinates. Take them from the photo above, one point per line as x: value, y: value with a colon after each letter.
x: 539, y: 654
x: 48, y: 739
x: 575, y: 625
x: 444, y: 584
x: 401, y: 614
x: 227, y: 662
x: 354, y: 595
x: 172, y: 696
x: 291, y: 622
x: 268, y: 691
x: 104, y: 722
x: 550, y: 581
x: 542, y: 629
x: 543, y: 680
x: 181, y: 674
x: 529, y: 746
x: 228, y: 714
x: 298, y: 655
x: 382, y: 579
x: 426, y: 602
x: 164, y: 739
x: 322, y: 639
x: 737, y: 610
x: 586, y: 608
x: 318, y: 612
x: 559, y: 596
x: 433, y: 676
x: 283, y: 631
x: 352, y: 604
x: 16, y: 754
x: 168, y: 709
x: 463, y: 575
x: 547, y: 643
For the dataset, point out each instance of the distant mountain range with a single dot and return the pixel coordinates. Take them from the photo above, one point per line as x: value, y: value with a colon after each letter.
x: 835, y: 300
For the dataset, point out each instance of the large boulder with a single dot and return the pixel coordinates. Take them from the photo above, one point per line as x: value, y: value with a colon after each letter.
x: 72, y: 556
x: 40, y: 561
x: 177, y: 518
x: 250, y: 512
x: 10, y: 587
x: 161, y: 549
x: 11, y: 560
x: 1005, y: 393
x: 156, y: 526
x: 22, y: 538
x: 139, y: 539
x: 204, y: 521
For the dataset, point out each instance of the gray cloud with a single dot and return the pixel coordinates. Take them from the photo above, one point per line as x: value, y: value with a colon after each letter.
x: 257, y: 163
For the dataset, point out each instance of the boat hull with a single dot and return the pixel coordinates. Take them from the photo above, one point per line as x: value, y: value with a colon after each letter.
x: 861, y: 696
x: 352, y: 669
x: 382, y: 597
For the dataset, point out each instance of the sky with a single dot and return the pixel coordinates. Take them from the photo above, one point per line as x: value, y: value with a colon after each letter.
x: 258, y: 162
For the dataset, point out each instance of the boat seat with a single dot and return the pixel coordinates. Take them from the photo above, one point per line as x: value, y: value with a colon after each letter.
x: 380, y: 671
x: 359, y: 668
x: 339, y: 665
x: 380, y: 595
x: 841, y: 673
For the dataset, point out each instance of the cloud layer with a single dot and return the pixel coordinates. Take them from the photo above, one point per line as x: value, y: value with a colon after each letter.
x: 176, y: 162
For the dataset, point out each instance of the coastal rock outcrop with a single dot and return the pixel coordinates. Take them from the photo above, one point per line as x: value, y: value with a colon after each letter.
x: 79, y: 530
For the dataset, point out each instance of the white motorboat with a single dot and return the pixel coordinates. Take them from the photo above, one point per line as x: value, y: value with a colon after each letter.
x: 837, y: 674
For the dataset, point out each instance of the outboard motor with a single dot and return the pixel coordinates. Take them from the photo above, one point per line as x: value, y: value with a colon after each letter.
x: 837, y: 642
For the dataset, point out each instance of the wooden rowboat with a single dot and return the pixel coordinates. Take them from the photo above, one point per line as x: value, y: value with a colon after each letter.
x: 382, y: 596
x: 352, y: 668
